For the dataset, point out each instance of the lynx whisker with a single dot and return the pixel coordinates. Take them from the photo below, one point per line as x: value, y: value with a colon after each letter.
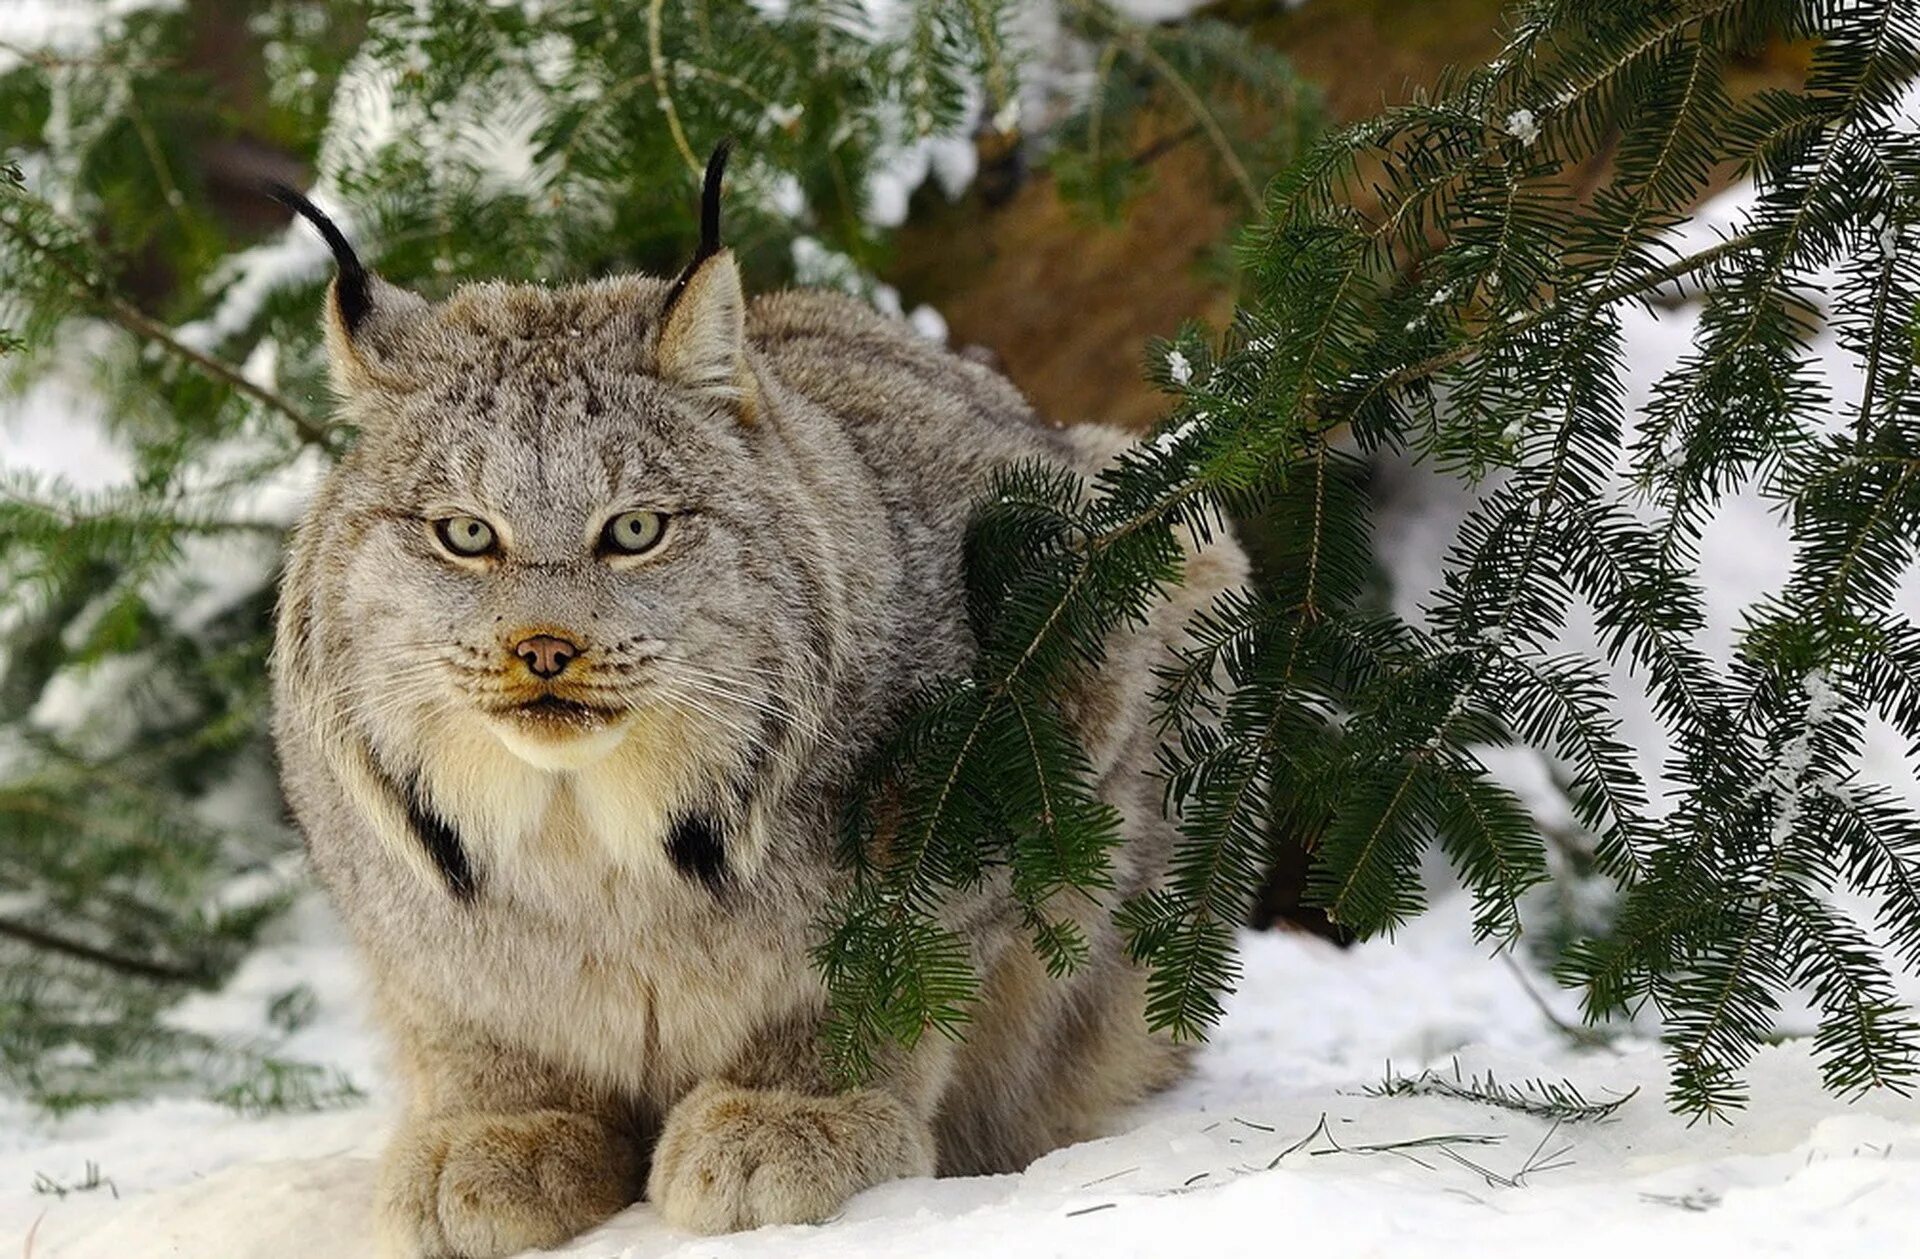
x: 678, y: 696
x: 735, y: 691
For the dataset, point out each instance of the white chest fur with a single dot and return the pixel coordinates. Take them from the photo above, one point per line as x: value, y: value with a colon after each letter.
x: 590, y: 944
x: 605, y: 800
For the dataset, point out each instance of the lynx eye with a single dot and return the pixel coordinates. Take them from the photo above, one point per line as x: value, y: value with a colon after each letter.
x: 466, y: 536
x: 633, y: 532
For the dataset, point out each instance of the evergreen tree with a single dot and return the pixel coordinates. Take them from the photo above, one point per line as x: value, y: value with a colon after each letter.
x: 141, y: 849
x: 1430, y: 281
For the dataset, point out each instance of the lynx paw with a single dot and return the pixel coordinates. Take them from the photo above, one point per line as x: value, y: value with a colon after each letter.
x: 479, y: 1186
x: 733, y: 1158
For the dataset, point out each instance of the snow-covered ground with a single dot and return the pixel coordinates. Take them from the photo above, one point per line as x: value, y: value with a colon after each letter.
x: 1275, y: 1146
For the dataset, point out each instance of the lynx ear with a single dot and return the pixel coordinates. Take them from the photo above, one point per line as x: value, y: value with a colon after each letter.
x: 366, y: 318
x: 703, y: 332
x: 703, y: 324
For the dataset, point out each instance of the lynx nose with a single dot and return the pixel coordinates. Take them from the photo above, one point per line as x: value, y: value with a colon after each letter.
x: 546, y: 654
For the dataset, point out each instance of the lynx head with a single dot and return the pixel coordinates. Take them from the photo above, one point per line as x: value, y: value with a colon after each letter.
x: 557, y: 538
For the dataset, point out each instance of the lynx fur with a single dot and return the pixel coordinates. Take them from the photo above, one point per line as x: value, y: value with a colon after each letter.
x: 577, y: 801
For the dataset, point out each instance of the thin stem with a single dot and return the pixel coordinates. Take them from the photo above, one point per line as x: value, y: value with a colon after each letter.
x: 664, y: 89
x: 1578, y: 1035
x: 995, y: 78
x: 1141, y: 42
x: 124, y: 313
x: 46, y: 60
x: 1202, y: 115
x: 138, y: 966
x: 1096, y: 110
x: 143, y: 519
x: 150, y: 144
x: 1678, y: 269
x: 1876, y: 333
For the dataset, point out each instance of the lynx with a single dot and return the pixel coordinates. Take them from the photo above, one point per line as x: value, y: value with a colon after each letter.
x: 579, y: 647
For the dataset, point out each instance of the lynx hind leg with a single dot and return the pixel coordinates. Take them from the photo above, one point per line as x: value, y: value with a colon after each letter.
x: 482, y: 1185
x: 1051, y: 1061
x: 737, y: 1158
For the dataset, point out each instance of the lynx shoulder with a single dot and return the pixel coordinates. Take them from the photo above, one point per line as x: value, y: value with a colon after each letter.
x: 578, y: 649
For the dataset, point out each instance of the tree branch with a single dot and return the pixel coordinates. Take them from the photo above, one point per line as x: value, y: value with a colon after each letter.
x: 1678, y: 269
x: 124, y: 313
x: 664, y: 87
x: 138, y: 966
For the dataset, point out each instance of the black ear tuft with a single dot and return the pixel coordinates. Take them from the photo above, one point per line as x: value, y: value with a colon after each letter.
x: 710, y: 200
x: 351, y: 289
x: 709, y: 221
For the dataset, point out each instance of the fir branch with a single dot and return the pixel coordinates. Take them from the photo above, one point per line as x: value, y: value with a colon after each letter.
x: 1502, y: 351
x: 663, y: 89
x: 140, y: 967
x: 1625, y: 290
x: 1560, y: 1101
x: 122, y: 312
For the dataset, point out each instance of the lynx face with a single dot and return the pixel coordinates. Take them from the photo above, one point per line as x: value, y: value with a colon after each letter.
x: 555, y: 547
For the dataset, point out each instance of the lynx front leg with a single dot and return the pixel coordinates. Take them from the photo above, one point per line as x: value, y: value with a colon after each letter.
x: 735, y: 1158
x: 772, y: 1143
x: 477, y: 1186
x: 498, y: 1154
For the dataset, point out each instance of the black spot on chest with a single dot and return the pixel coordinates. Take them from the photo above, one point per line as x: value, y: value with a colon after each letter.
x: 443, y: 845
x: 697, y: 846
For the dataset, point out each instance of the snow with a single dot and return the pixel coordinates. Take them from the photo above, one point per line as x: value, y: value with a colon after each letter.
x: 1158, y: 10
x: 56, y: 430
x: 1262, y: 1147
x: 900, y: 168
x: 1166, y: 441
x: 929, y: 323
x: 63, y: 28
x: 1787, y: 779
x: 816, y: 265
x: 1523, y: 126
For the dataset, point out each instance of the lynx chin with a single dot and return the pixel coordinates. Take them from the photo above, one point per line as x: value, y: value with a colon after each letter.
x: 578, y: 649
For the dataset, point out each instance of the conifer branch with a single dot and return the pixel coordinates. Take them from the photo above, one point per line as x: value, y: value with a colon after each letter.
x: 140, y: 967
x: 1625, y: 290
x: 663, y: 89
x: 122, y: 312
x: 1644, y: 196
